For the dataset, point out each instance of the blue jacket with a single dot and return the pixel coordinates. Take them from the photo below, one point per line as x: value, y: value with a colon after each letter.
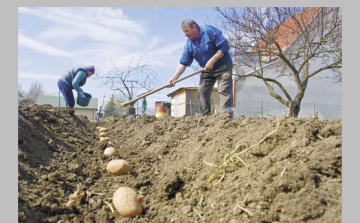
x: 75, y: 78
x: 209, y: 41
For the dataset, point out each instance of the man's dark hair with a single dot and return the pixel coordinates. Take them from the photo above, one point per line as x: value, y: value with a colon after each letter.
x: 189, y: 22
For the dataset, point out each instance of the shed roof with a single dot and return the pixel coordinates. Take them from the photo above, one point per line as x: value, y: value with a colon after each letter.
x: 54, y: 101
x: 184, y: 89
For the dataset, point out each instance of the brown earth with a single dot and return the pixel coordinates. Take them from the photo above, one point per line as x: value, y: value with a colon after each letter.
x: 293, y: 175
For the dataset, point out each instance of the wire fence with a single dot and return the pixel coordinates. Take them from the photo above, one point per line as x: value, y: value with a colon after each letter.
x: 259, y: 108
x: 269, y: 109
x: 275, y: 109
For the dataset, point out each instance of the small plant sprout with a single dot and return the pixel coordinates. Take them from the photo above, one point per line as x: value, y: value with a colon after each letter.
x: 201, y: 201
x: 233, y: 158
x: 219, y: 171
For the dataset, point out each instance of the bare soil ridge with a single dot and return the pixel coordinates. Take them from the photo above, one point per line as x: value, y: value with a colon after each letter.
x: 294, y: 175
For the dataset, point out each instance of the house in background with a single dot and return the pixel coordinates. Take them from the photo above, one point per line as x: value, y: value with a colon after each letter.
x: 59, y: 102
x: 322, y: 95
x: 185, y: 102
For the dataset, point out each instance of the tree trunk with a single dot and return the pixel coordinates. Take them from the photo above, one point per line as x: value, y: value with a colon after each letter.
x: 294, y: 108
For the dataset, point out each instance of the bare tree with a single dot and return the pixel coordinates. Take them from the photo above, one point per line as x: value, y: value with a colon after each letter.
x: 35, y: 91
x: 294, y: 37
x: 131, y: 81
x: 21, y: 95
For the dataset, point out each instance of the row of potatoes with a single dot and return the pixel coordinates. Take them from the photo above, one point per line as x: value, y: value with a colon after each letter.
x: 126, y: 201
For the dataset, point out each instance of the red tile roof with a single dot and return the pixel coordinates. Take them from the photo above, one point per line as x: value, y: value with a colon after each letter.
x: 289, y: 30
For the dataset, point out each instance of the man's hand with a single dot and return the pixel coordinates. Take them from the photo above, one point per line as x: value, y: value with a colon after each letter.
x: 180, y: 69
x: 171, y: 83
x: 209, y: 65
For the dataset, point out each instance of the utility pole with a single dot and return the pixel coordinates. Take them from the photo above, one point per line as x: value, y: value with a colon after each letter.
x: 137, y: 107
x: 101, y: 108
x: 131, y: 88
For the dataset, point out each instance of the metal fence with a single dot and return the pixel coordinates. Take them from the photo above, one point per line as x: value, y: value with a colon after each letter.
x: 276, y: 109
x: 272, y: 109
x: 193, y: 108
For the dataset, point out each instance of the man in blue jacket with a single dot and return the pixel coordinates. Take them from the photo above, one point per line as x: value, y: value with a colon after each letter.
x: 210, y: 49
x: 74, y: 79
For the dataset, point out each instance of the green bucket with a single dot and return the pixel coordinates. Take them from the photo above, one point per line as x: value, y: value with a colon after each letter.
x: 84, y: 101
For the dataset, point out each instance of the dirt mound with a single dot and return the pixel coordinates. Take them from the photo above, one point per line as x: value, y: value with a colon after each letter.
x: 287, y: 170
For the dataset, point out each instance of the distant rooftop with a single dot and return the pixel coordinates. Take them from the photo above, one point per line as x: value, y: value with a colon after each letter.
x: 286, y: 33
x: 184, y: 89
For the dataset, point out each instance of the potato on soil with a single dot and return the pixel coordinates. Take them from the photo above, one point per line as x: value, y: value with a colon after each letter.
x: 127, y: 202
x: 109, y: 151
x: 103, y: 134
x: 103, y: 130
x: 118, y: 167
x: 105, y: 139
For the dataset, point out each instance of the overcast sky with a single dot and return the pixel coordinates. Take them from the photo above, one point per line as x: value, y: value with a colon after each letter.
x: 53, y: 40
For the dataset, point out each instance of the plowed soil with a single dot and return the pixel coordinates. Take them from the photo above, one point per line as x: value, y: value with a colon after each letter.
x: 291, y: 169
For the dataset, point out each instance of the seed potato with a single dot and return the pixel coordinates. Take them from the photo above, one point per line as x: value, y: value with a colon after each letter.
x: 103, y: 130
x: 105, y: 139
x: 127, y: 202
x: 118, y: 167
x: 109, y: 151
x: 103, y: 134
